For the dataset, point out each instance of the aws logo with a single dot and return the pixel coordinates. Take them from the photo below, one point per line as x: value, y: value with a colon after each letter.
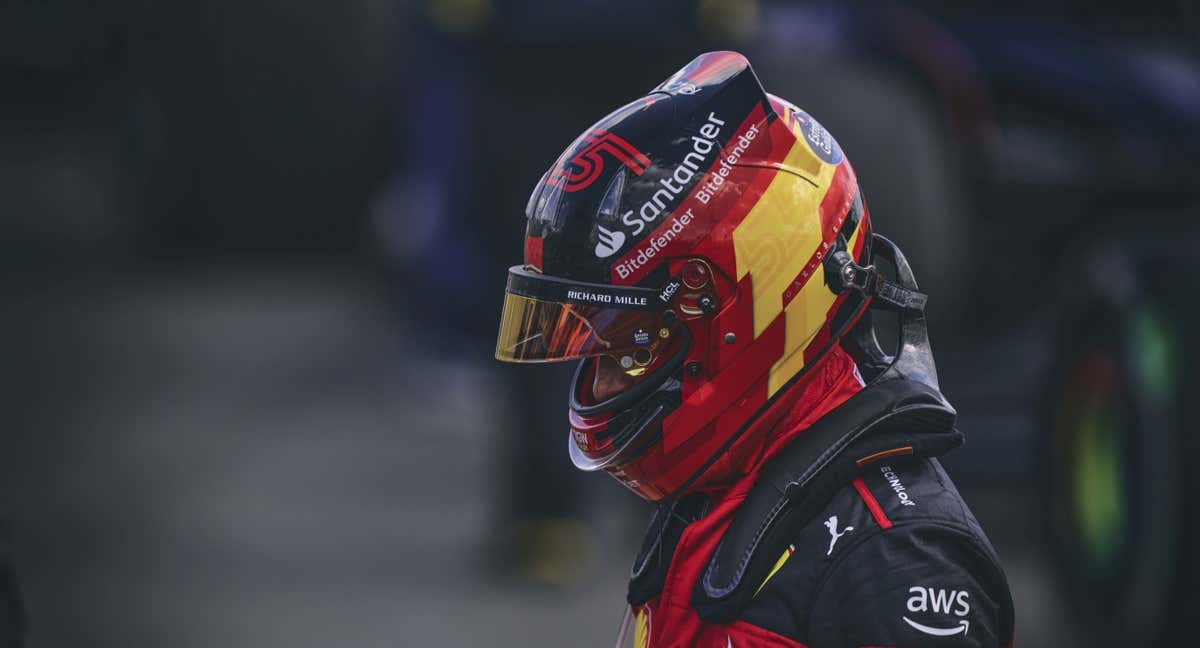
x: 928, y: 599
x: 586, y: 165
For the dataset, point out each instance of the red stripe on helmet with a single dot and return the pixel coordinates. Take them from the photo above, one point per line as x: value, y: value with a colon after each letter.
x: 632, y: 155
x: 864, y: 225
x: 533, y: 252
x: 587, y: 164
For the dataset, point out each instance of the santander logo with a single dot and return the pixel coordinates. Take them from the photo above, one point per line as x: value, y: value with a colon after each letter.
x: 610, y: 242
x: 587, y: 164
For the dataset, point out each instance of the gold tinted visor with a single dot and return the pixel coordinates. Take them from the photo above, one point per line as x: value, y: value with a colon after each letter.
x: 546, y: 319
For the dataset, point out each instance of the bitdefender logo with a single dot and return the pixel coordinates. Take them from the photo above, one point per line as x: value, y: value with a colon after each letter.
x: 610, y: 242
x: 587, y: 164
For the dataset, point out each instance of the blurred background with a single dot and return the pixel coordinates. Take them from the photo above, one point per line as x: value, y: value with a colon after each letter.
x: 254, y: 252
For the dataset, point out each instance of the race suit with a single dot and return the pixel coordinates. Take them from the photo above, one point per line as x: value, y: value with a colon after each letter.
x: 877, y: 549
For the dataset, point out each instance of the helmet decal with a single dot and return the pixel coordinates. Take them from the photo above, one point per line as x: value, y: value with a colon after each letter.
x: 586, y: 166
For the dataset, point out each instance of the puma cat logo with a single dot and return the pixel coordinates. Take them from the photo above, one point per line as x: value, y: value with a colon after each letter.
x: 831, y: 524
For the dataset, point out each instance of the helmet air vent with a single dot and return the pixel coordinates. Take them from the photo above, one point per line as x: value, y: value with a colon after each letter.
x: 610, y: 203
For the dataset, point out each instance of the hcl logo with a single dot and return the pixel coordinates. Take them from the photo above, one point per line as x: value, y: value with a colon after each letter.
x: 586, y: 165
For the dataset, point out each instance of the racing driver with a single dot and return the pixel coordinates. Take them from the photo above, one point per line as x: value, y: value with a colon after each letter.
x: 706, y: 254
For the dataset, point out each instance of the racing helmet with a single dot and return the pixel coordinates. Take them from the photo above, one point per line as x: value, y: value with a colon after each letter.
x: 709, y: 238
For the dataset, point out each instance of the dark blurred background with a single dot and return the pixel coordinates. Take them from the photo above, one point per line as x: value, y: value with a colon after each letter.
x: 253, y: 255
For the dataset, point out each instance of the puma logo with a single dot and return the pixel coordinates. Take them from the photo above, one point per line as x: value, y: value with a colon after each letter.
x: 831, y: 524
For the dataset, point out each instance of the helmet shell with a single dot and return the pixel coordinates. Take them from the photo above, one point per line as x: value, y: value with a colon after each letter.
x: 707, y: 169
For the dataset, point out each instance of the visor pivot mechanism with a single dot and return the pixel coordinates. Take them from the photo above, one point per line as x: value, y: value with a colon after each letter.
x: 850, y: 275
x: 870, y: 282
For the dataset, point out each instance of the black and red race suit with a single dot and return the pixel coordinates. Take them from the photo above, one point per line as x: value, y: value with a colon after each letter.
x: 851, y: 536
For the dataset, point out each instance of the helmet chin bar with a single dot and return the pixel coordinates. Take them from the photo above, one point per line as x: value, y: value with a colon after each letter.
x: 635, y: 412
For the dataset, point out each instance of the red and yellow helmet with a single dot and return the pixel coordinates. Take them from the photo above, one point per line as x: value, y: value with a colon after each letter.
x: 696, y: 236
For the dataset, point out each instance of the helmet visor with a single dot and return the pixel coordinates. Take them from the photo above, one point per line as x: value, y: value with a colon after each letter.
x: 549, y: 319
